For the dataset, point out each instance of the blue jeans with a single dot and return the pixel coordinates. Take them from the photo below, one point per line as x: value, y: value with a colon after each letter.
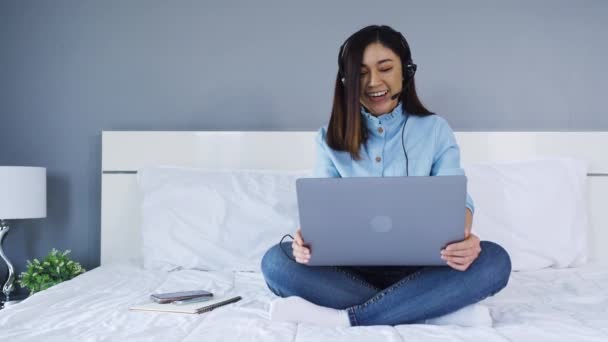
x: 388, y: 295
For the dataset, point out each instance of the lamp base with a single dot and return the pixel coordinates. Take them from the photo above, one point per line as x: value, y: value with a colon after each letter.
x: 15, y: 299
x: 9, y: 303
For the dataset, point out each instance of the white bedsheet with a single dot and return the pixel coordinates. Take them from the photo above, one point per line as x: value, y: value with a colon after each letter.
x: 547, y: 305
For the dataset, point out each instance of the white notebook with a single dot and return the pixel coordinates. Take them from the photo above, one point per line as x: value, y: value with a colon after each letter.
x: 192, y: 308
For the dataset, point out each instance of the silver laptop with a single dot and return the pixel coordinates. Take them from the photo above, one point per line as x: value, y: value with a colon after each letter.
x: 375, y: 221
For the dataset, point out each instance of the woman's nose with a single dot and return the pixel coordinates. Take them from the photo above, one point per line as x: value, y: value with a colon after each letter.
x: 374, y: 78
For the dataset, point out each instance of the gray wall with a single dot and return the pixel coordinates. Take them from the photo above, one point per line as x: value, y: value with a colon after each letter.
x: 70, y: 69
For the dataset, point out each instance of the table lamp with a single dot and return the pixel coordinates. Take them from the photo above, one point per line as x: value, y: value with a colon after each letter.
x: 23, y: 197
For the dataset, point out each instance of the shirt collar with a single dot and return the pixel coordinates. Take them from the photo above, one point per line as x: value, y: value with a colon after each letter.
x: 396, y: 115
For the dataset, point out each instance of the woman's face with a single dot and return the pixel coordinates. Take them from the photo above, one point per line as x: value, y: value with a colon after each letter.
x: 381, y: 79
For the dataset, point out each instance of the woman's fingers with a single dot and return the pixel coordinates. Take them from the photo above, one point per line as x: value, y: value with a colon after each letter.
x: 461, y: 260
x: 458, y: 267
x: 300, y: 252
x: 462, y: 252
x: 299, y: 242
x: 298, y: 239
x: 462, y: 256
x: 302, y: 260
x: 470, y: 245
x: 301, y: 257
x: 300, y: 249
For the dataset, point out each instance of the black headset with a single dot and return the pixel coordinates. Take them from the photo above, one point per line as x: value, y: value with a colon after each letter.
x: 407, y: 66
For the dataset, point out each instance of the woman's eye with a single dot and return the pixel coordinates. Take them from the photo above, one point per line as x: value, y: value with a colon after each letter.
x: 386, y: 70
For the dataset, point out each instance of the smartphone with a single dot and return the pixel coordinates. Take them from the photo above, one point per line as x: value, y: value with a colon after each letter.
x: 193, y: 300
x: 163, y: 298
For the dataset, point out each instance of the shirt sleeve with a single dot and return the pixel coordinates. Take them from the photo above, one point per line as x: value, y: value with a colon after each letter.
x: 324, y: 166
x: 446, y: 160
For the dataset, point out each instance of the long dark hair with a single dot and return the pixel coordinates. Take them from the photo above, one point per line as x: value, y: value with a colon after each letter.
x: 346, y: 130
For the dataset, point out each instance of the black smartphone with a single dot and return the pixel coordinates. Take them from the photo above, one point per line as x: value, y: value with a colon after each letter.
x: 163, y: 298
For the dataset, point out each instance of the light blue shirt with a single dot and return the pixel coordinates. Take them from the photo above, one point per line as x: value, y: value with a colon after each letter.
x: 431, y: 148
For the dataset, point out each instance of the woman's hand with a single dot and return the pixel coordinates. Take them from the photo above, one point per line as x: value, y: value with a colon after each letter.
x: 460, y: 255
x: 300, y: 251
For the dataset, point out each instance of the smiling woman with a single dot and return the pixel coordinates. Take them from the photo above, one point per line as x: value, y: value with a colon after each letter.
x: 376, y: 121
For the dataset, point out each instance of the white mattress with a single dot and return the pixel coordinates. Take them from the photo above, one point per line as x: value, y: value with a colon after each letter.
x: 546, y: 305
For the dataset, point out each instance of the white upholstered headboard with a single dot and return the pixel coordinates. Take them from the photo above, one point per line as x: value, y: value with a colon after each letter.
x: 123, y: 153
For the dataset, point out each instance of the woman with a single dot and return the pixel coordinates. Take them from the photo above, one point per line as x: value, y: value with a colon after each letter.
x: 379, y: 127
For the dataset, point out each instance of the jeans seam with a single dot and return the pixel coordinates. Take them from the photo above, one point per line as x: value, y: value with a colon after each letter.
x: 352, y: 317
x: 353, y: 277
x: 391, y: 288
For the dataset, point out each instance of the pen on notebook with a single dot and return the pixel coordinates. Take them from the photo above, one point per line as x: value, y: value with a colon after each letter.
x: 192, y: 300
x: 217, y: 305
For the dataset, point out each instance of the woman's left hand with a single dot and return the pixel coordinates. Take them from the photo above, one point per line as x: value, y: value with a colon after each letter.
x: 460, y: 255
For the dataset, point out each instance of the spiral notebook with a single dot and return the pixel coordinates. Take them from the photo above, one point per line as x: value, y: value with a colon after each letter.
x: 192, y: 308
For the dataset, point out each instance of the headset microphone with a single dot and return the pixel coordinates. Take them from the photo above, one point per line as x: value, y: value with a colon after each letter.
x: 395, y: 96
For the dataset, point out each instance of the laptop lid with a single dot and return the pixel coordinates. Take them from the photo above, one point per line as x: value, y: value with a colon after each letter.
x: 377, y: 221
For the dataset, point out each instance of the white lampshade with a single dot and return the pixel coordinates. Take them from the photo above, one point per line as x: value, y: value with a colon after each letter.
x: 22, y: 192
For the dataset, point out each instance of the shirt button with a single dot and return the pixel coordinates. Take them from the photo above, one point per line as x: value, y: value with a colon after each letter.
x: 380, y: 130
x: 378, y: 159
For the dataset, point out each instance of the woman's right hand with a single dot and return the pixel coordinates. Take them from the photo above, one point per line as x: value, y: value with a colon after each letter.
x: 300, y: 251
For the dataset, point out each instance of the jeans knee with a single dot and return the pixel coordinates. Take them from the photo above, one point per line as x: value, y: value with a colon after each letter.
x: 499, y: 262
x: 273, y: 261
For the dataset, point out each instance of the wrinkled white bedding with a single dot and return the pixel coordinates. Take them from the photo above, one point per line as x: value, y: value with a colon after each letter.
x: 546, y: 305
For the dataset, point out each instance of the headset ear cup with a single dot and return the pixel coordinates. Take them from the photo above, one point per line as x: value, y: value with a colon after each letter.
x: 409, y: 70
x: 412, y: 70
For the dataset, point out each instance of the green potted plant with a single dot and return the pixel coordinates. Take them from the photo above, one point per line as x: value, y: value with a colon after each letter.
x: 54, y: 269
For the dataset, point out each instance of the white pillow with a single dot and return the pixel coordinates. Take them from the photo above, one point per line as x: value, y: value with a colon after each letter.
x: 536, y: 210
x: 214, y: 220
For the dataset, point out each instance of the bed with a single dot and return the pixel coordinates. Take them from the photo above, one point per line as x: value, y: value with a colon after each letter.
x: 557, y: 303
